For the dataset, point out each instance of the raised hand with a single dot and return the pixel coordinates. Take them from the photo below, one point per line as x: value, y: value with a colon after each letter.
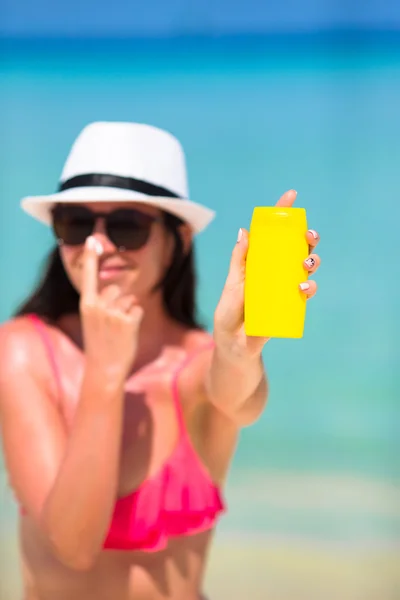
x: 110, y: 320
x: 229, y: 315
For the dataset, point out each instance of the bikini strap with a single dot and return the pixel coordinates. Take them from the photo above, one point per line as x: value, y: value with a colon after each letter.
x: 175, y: 384
x: 44, y: 336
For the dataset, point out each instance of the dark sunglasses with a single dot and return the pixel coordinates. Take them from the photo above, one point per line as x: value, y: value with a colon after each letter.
x: 127, y: 228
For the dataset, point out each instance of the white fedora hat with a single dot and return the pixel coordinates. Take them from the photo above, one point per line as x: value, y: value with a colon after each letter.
x: 124, y: 162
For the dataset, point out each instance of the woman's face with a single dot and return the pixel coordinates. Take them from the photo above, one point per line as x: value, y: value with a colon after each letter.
x: 134, y: 271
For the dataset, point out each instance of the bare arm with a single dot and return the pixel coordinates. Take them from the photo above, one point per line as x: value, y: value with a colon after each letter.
x: 67, y: 485
x: 237, y: 385
x: 236, y: 382
x: 78, y: 509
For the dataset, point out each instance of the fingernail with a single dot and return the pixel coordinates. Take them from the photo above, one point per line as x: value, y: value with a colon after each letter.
x: 313, y: 233
x: 304, y: 286
x: 239, y: 237
x: 310, y: 262
x: 91, y: 243
x: 99, y: 248
x: 95, y: 245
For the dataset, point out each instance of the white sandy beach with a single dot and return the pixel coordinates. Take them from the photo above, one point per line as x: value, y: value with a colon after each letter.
x: 301, y: 571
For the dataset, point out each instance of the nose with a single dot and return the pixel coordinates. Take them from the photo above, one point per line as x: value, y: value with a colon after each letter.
x: 100, y: 234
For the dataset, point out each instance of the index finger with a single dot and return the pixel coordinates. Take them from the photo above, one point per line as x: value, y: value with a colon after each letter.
x: 287, y: 199
x: 90, y: 270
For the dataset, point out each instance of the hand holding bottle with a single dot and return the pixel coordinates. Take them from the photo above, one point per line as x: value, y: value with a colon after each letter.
x: 229, y: 323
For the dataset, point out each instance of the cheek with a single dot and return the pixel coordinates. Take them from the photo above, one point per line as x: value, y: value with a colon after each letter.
x: 162, y: 253
x: 154, y: 258
x: 70, y: 259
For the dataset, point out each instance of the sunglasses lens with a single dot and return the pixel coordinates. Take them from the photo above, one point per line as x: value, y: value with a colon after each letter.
x: 126, y: 228
x: 72, y: 225
x: 129, y: 229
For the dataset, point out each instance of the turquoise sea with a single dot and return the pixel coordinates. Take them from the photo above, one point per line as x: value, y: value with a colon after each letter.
x: 256, y: 116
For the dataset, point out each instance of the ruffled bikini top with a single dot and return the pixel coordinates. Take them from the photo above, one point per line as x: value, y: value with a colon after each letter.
x: 179, y: 500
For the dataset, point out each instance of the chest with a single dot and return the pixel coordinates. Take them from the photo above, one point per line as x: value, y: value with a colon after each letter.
x: 150, y: 420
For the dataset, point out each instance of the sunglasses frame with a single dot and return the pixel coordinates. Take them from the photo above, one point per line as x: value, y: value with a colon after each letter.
x: 151, y: 219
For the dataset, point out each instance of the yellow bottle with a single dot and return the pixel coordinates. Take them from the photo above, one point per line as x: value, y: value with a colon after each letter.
x: 274, y: 306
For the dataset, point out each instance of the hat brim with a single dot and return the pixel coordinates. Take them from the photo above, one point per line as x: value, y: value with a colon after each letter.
x: 196, y: 215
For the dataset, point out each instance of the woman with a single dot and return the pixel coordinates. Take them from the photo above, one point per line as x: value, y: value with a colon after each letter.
x: 119, y: 413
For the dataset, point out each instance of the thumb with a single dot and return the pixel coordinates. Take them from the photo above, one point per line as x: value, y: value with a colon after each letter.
x: 237, y: 268
x: 288, y: 199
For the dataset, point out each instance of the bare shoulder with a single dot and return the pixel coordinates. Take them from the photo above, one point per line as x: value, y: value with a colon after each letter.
x: 33, y: 434
x: 196, y: 353
x: 198, y: 346
x: 21, y: 351
x: 17, y: 343
x: 197, y: 339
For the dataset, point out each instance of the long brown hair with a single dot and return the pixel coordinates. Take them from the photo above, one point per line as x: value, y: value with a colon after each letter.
x: 55, y: 296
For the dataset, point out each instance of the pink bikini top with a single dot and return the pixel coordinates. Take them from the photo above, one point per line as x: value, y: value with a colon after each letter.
x: 179, y: 500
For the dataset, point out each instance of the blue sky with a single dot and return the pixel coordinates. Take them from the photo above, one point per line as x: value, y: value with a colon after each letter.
x: 171, y: 17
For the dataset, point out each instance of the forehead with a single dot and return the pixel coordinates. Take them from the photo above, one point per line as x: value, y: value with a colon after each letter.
x: 106, y: 207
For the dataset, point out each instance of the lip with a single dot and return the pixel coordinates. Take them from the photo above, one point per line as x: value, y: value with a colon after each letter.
x: 110, y: 271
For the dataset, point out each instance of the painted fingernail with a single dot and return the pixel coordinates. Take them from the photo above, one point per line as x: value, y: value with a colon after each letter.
x: 304, y: 286
x: 314, y: 233
x: 310, y: 262
x: 239, y: 237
